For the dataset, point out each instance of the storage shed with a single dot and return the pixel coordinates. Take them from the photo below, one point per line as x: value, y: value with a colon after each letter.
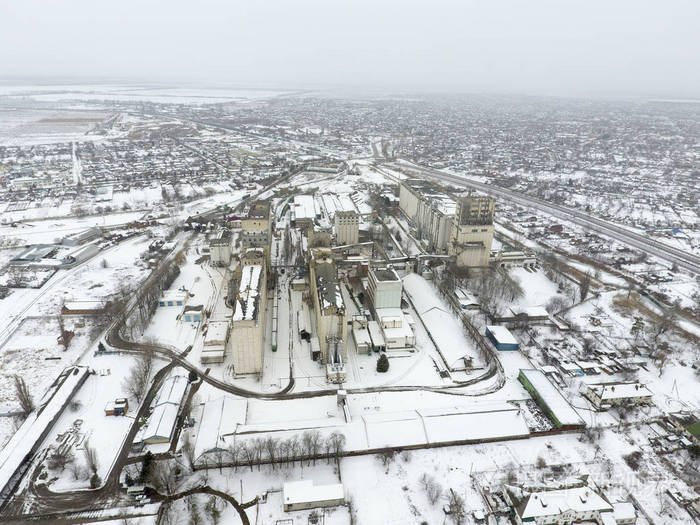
x: 501, y: 337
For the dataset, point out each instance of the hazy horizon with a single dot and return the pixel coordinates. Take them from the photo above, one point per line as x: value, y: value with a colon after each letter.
x: 573, y: 49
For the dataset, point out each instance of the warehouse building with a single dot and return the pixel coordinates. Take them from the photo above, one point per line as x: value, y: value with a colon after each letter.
x: 550, y: 400
x: 166, y: 408
x: 248, y: 321
x: 76, y: 239
x: 301, y: 495
x: 501, y: 338
x: 304, y: 211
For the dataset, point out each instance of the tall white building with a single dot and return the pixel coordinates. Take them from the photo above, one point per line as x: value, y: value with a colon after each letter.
x: 347, y: 227
x: 384, y: 287
x: 471, y: 234
x: 220, y: 249
x: 431, y: 211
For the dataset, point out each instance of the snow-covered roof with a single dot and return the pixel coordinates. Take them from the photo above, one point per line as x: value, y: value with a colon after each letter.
x: 530, y: 311
x: 161, y: 423
x: 530, y: 505
x: 329, y: 293
x: 620, y: 390
x: 173, y: 295
x: 361, y: 336
x: 219, y: 418
x: 375, y: 333
x: 552, y: 397
x: 502, y: 335
x: 624, y: 511
x: 304, y: 491
x: 216, y: 333
x: 304, y: 207
x: 172, y: 391
x: 33, y: 428
x: 248, y: 293
x: 84, y: 305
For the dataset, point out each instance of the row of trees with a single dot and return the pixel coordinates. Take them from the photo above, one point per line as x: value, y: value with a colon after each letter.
x: 148, y: 299
x: 309, y: 447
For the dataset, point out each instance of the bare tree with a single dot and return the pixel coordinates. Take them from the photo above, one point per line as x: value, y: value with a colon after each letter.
x: 271, y: 446
x: 457, y: 508
x: 187, y: 450
x: 584, y: 286
x: 15, y: 278
x: 294, y: 448
x: 23, y: 396
x: 213, y: 509
x: 90, y: 457
x: 315, y: 444
x: 234, y: 454
x: 77, y: 470
x: 59, y: 457
x: 247, y: 453
x: 137, y: 381
x: 163, y: 477
x: 337, y: 444
x: 433, y: 490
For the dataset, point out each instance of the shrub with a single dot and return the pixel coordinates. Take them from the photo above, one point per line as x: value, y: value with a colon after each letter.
x: 95, y: 481
x: 382, y: 364
x: 632, y: 459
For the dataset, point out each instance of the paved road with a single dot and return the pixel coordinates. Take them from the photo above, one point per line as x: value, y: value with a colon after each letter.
x: 685, y: 260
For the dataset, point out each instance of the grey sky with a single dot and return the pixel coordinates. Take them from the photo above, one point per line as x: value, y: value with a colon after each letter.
x: 594, y: 47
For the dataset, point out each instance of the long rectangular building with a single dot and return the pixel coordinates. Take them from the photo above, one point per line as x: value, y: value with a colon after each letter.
x: 430, y: 209
x: 550, y: 399
x: 248, y: 321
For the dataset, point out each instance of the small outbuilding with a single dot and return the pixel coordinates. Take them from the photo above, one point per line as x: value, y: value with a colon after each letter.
x: 118, y: 407
x: 301, y: 495
x: 502, y: 339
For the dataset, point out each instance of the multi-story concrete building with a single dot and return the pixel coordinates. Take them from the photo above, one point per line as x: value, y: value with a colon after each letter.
x: 472, y: 231
x: 347, y: 227
x: 329, y: 308
x: 384, y: 287
x: 220, y: 249
x: 461, y: 227
x: 431, y: 211
x: 255, y: 226
x: 248, y: 321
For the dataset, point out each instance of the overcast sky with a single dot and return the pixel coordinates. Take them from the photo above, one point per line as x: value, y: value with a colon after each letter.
x: 592, y: 47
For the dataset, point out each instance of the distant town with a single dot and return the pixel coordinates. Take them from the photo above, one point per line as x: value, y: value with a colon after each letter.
x: 289, y: 307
